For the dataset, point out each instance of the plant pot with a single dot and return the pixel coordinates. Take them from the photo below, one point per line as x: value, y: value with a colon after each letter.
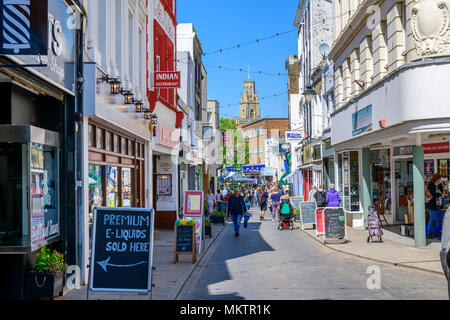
x: 208, y: 231
x: 44, y: 285
x: 217, y: 219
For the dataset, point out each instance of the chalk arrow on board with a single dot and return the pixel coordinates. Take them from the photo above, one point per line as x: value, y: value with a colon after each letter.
x: 104, y: 264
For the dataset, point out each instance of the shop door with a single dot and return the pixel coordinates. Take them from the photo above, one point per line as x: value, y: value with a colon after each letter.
x: 403, y: 187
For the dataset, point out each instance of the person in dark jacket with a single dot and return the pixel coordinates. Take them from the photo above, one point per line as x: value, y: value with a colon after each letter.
x: 237, y: 209
x: 321, y: 197
x: 333, y: 197
x: 434, y: 205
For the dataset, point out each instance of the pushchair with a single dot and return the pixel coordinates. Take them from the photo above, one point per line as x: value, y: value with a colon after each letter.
x: 374, y: 225
x: 285, y: 215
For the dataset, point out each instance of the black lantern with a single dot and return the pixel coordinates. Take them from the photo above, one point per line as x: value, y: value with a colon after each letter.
x: 138, y: 105
x: 128, y: 95
x: 115, y: 85
x: 147, y: 114
x: 154, y: 119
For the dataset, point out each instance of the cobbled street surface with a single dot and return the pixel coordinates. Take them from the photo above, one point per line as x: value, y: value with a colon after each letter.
x: 265, y: 263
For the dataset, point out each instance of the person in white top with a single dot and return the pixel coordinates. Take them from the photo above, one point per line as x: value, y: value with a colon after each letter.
x: 210, y: 201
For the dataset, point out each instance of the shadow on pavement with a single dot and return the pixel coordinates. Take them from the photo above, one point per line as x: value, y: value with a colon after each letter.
x: 249, y: 242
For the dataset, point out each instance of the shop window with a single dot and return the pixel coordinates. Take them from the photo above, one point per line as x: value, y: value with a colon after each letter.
x: 444, y: 171
x: 99, y: 137
x: 124, y: 146
x: 130, y: 148
x: 127, y: 197
x: 350, y: 181
x: 13, y: 229
x: 91, y: 136
x: 95, y: 190
x: 112, y: 192
x: 108, y: 141
x: 380, y: 170
x: 116, y: 143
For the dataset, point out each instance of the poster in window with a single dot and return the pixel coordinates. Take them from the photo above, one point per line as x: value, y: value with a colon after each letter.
x: 429, y: 169
x: 164, y: 185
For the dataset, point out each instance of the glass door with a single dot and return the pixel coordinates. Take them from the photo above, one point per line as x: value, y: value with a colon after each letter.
x: 403, y: 187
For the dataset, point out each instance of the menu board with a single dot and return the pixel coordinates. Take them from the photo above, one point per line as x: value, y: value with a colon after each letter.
x: 184, y: 239
x: 193, y: 208
x: 122, y: 250
x: 308, y: 212
x: 319, y: 222
x: 334, y: 220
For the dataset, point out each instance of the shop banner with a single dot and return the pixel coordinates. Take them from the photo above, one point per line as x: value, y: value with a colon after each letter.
x: 24, y: 27
x: 167, y: 79
x: 442, y: 147
x: 362, y: 121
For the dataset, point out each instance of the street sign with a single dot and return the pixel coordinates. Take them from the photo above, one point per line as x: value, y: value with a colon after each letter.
x: 122, y: 250
x: 293, y: 136
x: 185, y: 242
x: 334, y: 222
x: 167, y: 79
x: 308, y: 212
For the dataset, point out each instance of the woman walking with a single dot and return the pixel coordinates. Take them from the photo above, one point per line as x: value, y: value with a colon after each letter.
x: 210, y: 201
x: 237, y: 210
x: 434, y: 205
x: 333, y: 198
x: 275, y: 197
x: 262, y: 200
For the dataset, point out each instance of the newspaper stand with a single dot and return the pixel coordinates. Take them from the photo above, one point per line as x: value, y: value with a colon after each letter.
x: 374, y: 225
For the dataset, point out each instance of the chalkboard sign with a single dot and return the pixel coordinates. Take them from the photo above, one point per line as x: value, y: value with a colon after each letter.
x: 122, y: 250
x: 184, y: 239
x: 185, y: 242
x: 222, y: 206
x: 308, y: 212
x: 295, y: 201
x: 334, y: 220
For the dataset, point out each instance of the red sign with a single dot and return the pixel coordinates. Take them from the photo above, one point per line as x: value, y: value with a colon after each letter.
x: 440, y: 147
x: 319, y: 222
x: 167, y: 79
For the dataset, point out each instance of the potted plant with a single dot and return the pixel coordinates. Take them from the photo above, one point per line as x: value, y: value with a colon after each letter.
x: 208, y: 228
x: 217, y: 217
x: 47, y: 277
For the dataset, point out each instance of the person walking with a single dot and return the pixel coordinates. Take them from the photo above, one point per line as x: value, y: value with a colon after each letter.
x: 262, y: 201
x: 218, y: 196
x: 275, y: 198
x: 237, y: 210
x: 321, y: 197
x: 210, y: 201
x: 333, y: 198
x: 434, y: 205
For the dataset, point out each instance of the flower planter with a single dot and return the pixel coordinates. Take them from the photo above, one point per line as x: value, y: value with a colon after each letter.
x: 44, y: 285
x: 217, y: 219
x: 208, y: 231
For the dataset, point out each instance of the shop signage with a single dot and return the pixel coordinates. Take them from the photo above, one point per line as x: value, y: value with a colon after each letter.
x: 293, y: 136
x: 319, y: 222
x: 193, y: 208
x: 362, y: 121
x: 253, y: 168
x: 226, y: 138
x: 429, y: 169
x: 122, y: 250
x: 268, y: 172
x: 25, y: 27
x: 166, y: 137
x: 59, y: 55
x: 308, y: 212
x: 167, y: 79
x: 185, y: 242
x: 295, y: 201
x: 403, y: 151
x: 334, y: 222
x: 441, y: 147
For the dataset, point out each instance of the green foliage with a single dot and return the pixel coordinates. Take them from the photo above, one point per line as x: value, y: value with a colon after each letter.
x: 49, y: 262
x: 207, y: 222
x: 217, y: 213
x: 226, y: 124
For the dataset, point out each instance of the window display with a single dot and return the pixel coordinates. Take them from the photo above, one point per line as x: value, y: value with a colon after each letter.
x: 381, y: 180
x: 112, y: 195
x: 164, y: 185
x: 127, y: 197
x: 350, y: 177
x: 444, y: 171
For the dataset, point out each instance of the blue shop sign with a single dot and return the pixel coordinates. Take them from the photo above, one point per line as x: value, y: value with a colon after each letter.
x: 362, y: 121
x: 253, y: 168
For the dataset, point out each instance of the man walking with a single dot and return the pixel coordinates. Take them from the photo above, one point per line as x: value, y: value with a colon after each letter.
x: 237, y: 209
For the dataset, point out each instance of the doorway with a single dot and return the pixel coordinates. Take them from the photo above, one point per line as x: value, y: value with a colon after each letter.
x: 403, y: 187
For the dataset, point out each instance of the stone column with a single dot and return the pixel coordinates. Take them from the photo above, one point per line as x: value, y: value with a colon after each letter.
x: 419, y: 196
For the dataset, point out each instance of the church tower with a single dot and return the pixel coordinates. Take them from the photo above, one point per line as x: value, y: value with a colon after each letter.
x: 250, y: 108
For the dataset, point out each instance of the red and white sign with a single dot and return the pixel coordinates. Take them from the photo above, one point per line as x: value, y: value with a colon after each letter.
x: 226, y: 139
x: 193, y: 203
x: 167, y: 137
x: 440, y: 147
x: 167, y: 79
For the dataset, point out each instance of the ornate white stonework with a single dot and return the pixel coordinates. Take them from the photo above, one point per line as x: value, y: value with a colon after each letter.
x: 430, y: 25
x: 164, y: 20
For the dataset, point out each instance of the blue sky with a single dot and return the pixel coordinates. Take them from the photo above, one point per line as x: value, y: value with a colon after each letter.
x: 220, y: 24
